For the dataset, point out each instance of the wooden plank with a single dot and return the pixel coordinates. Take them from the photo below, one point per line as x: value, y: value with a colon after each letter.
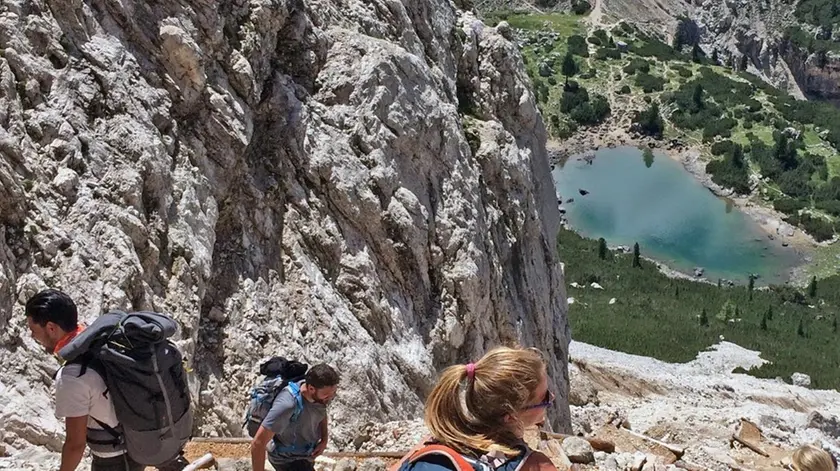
x: 598, y: 444
x: 749, y: 445
x: 677, y: 450
x: 221, y: 439
x: 688, y: 466
x: 334, y: 454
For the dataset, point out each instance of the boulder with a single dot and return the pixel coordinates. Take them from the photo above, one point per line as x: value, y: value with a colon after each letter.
x: 345, y: 464
x: 66, y: 181
x: 638, y: 461
x: 581, y: 389
x: 800, y: 379
x: 829, y: 425
x: 504, y: 29
x: 545, y: 70
x: 578, y: 450
x: 374, y: 464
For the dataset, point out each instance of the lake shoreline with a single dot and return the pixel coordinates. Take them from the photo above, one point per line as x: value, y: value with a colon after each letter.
x: 770, y: 221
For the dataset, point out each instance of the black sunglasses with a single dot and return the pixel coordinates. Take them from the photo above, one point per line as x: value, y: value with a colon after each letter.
x: 547, y: 401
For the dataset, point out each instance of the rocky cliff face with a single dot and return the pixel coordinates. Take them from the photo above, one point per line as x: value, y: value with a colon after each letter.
x: 284, y: 177
x: 733, y: 28
x: 818, y: 75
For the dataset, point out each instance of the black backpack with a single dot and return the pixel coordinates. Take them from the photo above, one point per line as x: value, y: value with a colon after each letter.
x: 278, y: 372
x: 146, y: 382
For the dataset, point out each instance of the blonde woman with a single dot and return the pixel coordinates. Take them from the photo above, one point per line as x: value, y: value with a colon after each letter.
x: 812, y: 458
x: 477, y: 415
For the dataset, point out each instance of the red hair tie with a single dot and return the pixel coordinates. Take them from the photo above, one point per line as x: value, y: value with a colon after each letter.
x: 471, y: 371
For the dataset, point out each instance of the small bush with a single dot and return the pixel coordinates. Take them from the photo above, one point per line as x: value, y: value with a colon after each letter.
x: 788, y: 205
x: 658, y: 49
x: 601, y: 34
x: 577, y: 46
x: 637, y: 65
x: 650, y: 83
x: 607, y: 53
x: 718, y: 127
x: 722, y: 147
x: 581, y: 7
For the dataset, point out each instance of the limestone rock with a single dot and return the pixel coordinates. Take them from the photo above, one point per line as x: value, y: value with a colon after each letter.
x: 578, y: 450
x: 230, y: 464
x: 375, y: 464
x: 505, y: 30
x: 66, y: 182
x: 345, y: 464
x: 801, y: 379
x: 639, y: 460
x: 581, y: 389
x: 830, y: 425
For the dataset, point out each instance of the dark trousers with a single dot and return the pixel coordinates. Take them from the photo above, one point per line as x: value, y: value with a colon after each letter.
x: 125, y: 463
x: 298, y: 465
x: 117, y: 463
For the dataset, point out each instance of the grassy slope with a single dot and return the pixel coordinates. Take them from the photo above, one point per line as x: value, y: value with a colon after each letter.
x: 659, y: 317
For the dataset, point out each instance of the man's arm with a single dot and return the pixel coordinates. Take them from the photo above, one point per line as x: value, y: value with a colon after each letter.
x: 325, y: 435
x: 275, y: 422
x: 74, y: 443
x: 258, y: 444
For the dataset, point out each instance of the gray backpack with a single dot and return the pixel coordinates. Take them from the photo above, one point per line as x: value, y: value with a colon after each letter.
x: 146, y: 382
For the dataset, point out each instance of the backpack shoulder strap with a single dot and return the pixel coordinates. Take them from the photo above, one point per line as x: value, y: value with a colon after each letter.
x: 117, y: 436
x: 459, y: 463
x: 295, y: 390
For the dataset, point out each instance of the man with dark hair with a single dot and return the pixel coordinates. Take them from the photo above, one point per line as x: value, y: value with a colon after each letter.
x: 53, y: 321
x: 81, y: 395
x: 52, y: 318
x: 295, y: 431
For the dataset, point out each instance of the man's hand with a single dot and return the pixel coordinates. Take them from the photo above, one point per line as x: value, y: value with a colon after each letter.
x: 322, y: 445
x: 74, y: 443
x: 325, y: 437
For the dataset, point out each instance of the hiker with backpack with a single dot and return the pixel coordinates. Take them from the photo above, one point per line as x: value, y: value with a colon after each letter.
x: 287, y: 417
x: 121, y: 389
x: 477, y: 415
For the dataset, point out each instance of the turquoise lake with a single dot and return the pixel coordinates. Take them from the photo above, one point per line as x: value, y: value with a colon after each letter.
x: 674, y: 218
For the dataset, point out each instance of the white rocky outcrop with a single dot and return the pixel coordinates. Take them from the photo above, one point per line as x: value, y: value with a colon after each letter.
x: 284, y: 177
x: 699, y: 404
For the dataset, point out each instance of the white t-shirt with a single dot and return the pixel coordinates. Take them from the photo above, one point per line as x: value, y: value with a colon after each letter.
x: 76, y: 396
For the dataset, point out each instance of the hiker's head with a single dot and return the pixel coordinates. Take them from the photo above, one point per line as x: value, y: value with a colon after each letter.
x: 488, y: 404
x: 812, y: 458
x: 51, y: 315
x: 320, y: 384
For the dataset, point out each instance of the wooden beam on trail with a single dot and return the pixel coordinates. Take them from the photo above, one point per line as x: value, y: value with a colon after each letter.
x: 334, y: 454
x: 597, y: 443
x: 221, y: 439
x: 677, y: 450
x: 688, y: 466
x: 749, y: 445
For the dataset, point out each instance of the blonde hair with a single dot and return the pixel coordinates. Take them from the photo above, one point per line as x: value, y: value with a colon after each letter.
x: 811, y: 458
x: 473, y: 417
